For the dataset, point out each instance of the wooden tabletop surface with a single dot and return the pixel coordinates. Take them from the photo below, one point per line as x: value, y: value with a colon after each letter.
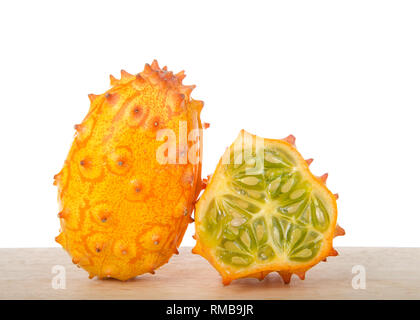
x: 391, y: 273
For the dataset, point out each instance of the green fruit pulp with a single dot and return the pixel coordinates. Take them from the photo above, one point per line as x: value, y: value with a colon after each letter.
x: 267, y: 210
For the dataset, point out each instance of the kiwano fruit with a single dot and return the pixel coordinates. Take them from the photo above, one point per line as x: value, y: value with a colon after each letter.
x: 264, y: 211
x: 128, y: 187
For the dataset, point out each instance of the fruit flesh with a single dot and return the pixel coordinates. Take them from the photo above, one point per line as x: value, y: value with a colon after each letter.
x: 264, y: 211
x: 123, y: 211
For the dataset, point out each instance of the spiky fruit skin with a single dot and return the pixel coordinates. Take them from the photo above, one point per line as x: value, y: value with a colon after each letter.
x: 123, y: 210
x: 263, y: 211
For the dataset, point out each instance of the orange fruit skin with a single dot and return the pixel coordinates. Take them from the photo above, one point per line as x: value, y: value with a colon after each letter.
x: 123, y: 212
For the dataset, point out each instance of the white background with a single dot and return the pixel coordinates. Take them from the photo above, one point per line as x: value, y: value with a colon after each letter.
x: 343, y: 77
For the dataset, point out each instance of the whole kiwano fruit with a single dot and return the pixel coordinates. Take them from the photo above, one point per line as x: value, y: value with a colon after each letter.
x: 128, y: 186
x: 263, y: 211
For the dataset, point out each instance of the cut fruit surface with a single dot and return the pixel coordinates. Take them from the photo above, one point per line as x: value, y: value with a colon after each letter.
x: 263, y: 211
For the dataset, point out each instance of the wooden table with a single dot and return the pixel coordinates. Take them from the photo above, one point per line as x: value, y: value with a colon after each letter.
x: 391, y: 273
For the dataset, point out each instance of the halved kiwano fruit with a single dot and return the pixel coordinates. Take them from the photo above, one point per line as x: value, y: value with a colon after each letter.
x: 264, y: 211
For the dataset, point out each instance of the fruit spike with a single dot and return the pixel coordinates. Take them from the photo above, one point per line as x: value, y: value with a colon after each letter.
x: 290, y: 139
x: 122, y: 212
x: 92, y: 97
x: 324, y: 178
x: 113, y: 80
x: 265, y: 213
